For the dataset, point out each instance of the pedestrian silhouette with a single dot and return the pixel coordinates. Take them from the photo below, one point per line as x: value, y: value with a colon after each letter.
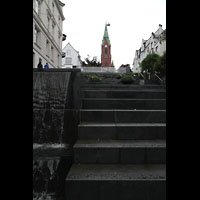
x: 39, y: 66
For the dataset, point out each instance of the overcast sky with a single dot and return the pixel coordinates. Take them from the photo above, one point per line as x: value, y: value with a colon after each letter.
x: 130, y: 21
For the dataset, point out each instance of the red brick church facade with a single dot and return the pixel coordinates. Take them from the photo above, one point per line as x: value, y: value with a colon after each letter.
x: 106, y: 50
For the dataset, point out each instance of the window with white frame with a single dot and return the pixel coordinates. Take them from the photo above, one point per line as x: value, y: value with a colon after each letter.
x: 68, y: 52
x: 157, y: 49
x: 53, y: 29
x: 36, y: 5
x: 52, y: 53
x: 36, y: 37
x: 53, y: 7
x: 48, y: 22
x: 33, y: 59
x: 58, y: 57
x: 68, y: 61
x: 47, y: 48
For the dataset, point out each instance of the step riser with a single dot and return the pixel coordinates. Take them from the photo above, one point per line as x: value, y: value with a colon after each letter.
x: 122, y: 133
x: 124, y: 86
x: 137, y: 155
x: 125, y: 94
x: 124, y: 116
x: 118, y: 190
x: 124, y: 104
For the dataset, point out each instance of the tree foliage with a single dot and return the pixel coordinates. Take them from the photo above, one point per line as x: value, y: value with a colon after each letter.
x: 160, y: 66
x: 155, y: 64
x: 148, y: 63
x: 91, y: 63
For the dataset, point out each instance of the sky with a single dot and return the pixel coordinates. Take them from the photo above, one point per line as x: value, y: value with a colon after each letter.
x: 130, y: 22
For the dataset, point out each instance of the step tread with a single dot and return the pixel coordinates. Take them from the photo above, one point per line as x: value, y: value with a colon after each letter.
x: 124, y: 90
x: 117, y: 172
x: 121, y: 99
x: 121, y: 110
x: 85, y: 124
x: 120, y: 143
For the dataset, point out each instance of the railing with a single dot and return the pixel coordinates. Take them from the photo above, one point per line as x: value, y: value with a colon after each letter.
x: 101, y: 70
x: 158, y: 78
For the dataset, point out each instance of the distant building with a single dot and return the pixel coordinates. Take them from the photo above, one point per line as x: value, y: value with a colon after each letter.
x: 155, y: 44
x: 47, y: 32
x: 70, y: 57
x: 124, y: 69
x: 106, y: 49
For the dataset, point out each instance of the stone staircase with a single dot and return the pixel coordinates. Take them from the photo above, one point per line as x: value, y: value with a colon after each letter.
x: 120, y: 153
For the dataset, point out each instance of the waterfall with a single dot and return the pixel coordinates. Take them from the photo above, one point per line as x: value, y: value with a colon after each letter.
x: 50, y: 90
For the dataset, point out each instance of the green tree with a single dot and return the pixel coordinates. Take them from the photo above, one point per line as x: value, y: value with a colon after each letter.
x: 160, y: 66
x: 149, y: 62
x: 91, y: 63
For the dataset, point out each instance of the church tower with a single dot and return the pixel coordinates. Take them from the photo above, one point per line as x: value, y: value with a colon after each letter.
x: 106, y: 49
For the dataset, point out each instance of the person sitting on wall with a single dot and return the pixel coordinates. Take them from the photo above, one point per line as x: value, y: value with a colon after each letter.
x: 46, y: 66
x: 39, y: 66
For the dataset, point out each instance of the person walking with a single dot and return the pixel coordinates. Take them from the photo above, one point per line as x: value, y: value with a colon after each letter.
x: 39, y: 66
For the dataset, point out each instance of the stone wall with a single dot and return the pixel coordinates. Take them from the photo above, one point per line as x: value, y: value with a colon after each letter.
x: 56, y: 104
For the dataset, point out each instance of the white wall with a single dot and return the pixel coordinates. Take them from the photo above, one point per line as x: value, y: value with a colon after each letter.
x: 70, y: 52
x: 40, y: 21
x: 151, y: 43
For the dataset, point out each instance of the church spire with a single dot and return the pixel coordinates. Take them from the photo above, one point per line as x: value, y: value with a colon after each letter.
x: 106, y: 36
x: 106, y: 49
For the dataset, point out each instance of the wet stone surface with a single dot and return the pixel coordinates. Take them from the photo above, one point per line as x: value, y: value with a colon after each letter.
x: 48, y: 177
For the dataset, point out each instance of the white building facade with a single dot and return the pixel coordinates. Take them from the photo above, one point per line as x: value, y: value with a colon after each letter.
x: 155, y: 44
x: 71, y: 57
x: 47, y: 32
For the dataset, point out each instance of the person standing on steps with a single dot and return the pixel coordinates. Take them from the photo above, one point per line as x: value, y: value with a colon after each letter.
x: 46, y: 66
x: 39, y: 66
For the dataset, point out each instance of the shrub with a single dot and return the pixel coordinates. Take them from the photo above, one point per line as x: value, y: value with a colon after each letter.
x: 127, y: 79
x: 94, y: 78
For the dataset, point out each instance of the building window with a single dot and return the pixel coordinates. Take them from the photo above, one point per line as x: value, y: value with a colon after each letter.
x: 68, y: 61
x: 48, y: 22
x: 53, y: 29
x: 68, y: 52
x: 53, y: 8
x: 52, y: 53
x: 59, y: 21
x: 33, y: 59
x: 47, y: 48
x: 59, y: 38
x: 36, y: 37
x: 58, y: 60
x: 157, y: 49
x: 36, y: 6
x: 106, y: 49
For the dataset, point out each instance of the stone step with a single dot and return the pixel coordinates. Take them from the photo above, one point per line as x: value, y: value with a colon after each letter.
x: 94, y: 103
x: 120, y: 86
x: 123, y: 116
x: 120, y: 151
x: 122, y: 131
x: 119, y: 182
x: 134, y: 94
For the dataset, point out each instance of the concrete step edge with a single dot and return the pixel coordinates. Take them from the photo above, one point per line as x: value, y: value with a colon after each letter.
x: 120, y: 144
x: 119, y: 172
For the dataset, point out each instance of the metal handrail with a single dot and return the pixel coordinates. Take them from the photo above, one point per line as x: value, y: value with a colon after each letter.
x: 158, y: 77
